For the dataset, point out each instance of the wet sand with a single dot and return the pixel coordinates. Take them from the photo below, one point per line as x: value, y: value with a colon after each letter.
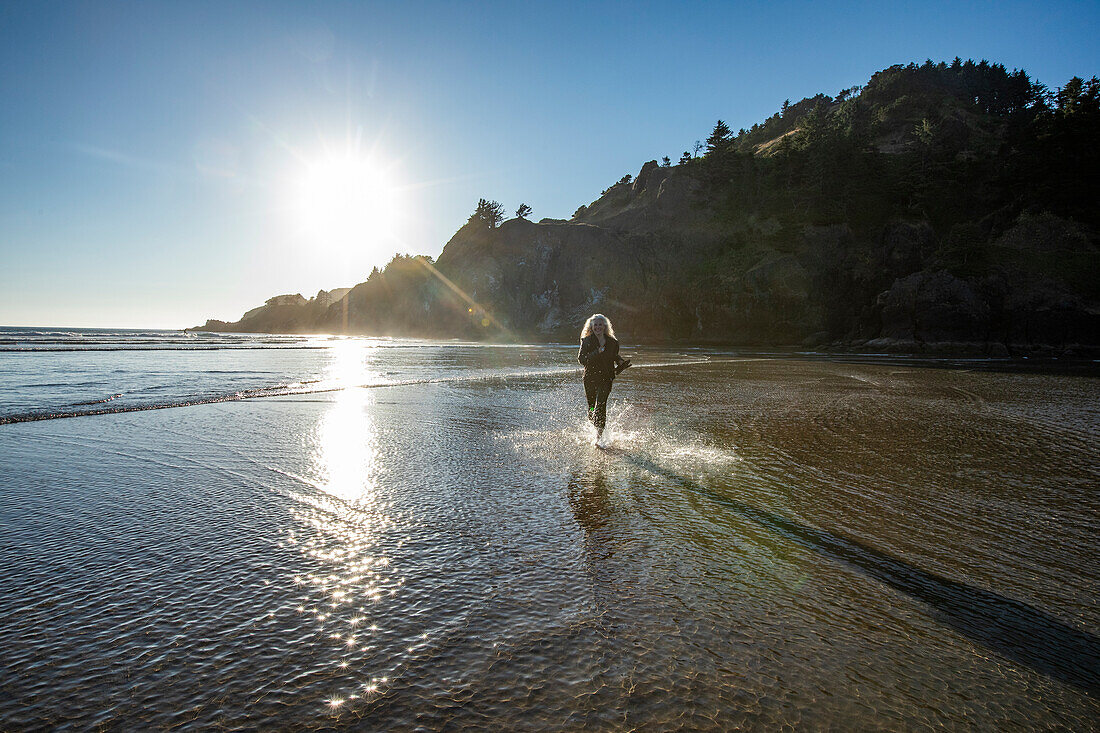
x: 762, y: 543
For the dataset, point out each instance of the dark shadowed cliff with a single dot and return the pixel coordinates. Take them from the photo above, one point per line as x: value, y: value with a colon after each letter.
x: 940, y: 207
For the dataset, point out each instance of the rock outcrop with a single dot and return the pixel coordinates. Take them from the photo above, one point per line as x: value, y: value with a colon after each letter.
x: 933, y: 306
x: 650, y: 253
x: 925, y: 212
x: 325, y: 298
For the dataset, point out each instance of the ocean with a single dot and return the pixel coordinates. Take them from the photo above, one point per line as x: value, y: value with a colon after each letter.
x: 317, y: 532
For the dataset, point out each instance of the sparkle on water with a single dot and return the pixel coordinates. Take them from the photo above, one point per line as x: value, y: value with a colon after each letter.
x: 754, y: 545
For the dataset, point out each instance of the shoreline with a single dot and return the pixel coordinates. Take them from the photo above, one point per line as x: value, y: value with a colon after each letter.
x: 1044, y: 367
x: 812, y: 344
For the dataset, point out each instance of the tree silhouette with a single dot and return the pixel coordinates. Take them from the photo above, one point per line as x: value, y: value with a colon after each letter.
x: 1075, y: 95
x: 685, y: 158
x: 665, y: 162
x: 488, y: 213
x: 626, y: 179
x: 523, y: 211
x: 719, y: 137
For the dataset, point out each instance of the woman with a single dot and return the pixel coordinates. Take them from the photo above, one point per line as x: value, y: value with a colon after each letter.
x: 600, y: 355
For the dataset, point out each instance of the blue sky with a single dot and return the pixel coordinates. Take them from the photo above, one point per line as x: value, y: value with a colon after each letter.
x: 152, y: 154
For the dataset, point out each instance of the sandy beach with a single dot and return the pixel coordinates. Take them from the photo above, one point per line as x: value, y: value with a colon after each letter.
x: 762, y: 542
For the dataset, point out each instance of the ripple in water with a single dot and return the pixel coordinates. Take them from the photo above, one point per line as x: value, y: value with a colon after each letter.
x: 758, y: 545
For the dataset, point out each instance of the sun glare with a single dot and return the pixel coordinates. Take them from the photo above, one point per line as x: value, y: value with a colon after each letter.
x: 347, y: 201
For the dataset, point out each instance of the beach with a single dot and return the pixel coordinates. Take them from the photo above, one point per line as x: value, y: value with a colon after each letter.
x: 762, y: 543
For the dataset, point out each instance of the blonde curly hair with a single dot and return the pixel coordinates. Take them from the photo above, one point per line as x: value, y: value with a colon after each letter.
x: 587, y: 330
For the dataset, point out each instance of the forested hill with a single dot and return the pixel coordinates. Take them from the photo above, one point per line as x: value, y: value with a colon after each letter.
x: 950, y: 206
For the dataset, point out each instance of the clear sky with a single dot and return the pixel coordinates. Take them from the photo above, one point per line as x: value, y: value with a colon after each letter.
x: 166, y: 162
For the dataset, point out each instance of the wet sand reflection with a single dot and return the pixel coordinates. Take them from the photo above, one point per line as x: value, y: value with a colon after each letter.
x: 1003, y: 625
x: 590, y: 499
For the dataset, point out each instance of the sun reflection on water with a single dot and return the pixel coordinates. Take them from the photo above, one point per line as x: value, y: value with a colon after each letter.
x: 342, y: 528
x: 345, y: 452
x: 345, y: 448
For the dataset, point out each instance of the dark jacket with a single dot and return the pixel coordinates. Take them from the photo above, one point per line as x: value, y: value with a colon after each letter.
x: 597, y: 365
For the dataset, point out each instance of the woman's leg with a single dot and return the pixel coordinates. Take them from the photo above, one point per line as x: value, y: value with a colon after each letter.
x: 590, y: 392
x: 603, y: 390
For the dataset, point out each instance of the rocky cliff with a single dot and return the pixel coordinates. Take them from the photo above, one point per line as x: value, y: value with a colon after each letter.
x: 917, y: 214
x: 282, y: 314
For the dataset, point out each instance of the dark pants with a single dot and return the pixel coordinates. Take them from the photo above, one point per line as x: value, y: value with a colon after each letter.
x: 596, y: 390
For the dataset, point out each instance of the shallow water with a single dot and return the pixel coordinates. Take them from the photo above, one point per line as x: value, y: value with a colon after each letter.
x: 762, y: 543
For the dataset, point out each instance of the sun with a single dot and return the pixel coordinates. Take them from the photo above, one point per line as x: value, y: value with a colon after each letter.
x: 347, y: 201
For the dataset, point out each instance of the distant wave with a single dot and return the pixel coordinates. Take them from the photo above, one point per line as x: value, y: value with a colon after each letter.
x: 186, y: 402
x: 76, y: 339
x: 162, y: 347
x: 98, y: 402
x: 63, y: 347
x: 302, y: 388
x: 17, y: 340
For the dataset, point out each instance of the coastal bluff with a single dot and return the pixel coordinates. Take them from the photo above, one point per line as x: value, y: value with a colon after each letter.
x: 280, y: 314
x: 910, y: 214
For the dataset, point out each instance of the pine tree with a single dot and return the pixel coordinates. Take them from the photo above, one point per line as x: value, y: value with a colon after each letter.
x: 719, y: 137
